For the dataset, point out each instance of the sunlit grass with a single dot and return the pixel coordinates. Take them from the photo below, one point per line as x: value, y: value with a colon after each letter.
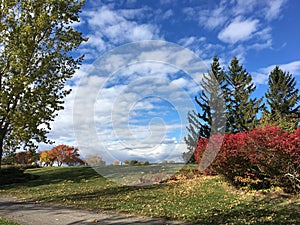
x: 7, y: 222
x: 203, y: 200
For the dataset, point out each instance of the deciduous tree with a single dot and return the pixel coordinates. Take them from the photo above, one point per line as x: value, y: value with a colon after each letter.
x: 36, y: 42
x: 26, y: 157
x: 61, y: 154
x: 46, y: 158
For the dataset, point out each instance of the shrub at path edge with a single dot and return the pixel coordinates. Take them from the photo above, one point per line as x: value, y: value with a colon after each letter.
x: 260, y: 158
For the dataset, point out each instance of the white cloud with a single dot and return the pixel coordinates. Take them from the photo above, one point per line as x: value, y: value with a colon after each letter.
x: 133, y: 13
x: 249, y: 25
x: 127, y: 122
x: 95, y: 41
x: 214, y: 18
x: 117, y: 27
x: 168, y: 14
x: 244, y: 6
x: 260, y: 46
x: 273, y: 9
x: 202, y: 47
x: 238, y: 30
x: 261, y: 77
x: 292, y: 67
x: 264, y: 34
x: 240, y: 52
x: 188, y: 41
x: 143, y: 32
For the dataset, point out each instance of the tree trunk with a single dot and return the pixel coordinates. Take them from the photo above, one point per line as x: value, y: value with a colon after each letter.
x: 3, y: 132
x: 1, y: 150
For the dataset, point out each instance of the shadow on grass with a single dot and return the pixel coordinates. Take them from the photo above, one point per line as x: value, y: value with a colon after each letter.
x: 12, y: 175
x: 262, y: 210
x: 42, y: 176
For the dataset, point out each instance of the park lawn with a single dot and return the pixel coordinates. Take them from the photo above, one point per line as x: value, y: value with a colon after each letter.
x: 203, y: 200
x: 7, y: 222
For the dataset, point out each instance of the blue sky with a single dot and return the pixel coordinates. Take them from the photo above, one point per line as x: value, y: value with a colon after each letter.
x: 139, y: 109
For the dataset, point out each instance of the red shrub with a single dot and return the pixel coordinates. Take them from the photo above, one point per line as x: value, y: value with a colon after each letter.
x: 259, y: 158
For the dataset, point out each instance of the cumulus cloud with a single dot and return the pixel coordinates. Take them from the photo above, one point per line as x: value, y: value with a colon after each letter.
x: 140, y: 102
x: 118, y: 27
x: 133, y: 103
x: 238, y: 30
x: 240, y: 21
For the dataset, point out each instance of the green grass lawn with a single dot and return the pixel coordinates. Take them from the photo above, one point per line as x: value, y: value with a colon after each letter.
x: 203, y: 200
x: 6, y: 222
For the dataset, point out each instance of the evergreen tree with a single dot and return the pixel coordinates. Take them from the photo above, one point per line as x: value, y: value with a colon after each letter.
x: 212, y: 118
x: 193, y: 135
x: 282, y: 98
x: 241, y: 109
x: 212, y: 101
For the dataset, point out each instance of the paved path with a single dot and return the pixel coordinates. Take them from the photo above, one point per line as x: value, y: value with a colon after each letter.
x: 28, y: 212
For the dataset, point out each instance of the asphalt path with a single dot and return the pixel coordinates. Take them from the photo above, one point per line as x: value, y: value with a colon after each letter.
x: 27, y: 212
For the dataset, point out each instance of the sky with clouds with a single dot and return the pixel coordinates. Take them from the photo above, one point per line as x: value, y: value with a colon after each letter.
x: 131, y: 96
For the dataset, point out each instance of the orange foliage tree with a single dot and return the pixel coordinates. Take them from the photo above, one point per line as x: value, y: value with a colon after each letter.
x: 26, y: 157
x: 61, y: 154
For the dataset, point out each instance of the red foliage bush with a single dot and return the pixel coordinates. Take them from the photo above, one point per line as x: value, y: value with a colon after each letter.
x: 257, y: 158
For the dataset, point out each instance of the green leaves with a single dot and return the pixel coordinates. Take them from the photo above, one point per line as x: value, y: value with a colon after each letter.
x: 35, y: 63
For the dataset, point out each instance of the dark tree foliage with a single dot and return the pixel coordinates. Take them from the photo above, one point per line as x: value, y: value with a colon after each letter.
x: 212, y: 101
x: 191, y: 139
x: 211, y: 118
x: 241, y: 108
x: 282, y: 96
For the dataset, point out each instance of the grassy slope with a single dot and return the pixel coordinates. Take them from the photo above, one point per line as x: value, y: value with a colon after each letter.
x: 206, y: 200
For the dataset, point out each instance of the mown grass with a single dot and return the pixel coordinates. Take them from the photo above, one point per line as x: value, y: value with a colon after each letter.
x: 7, y: 222
x: 203, y: 200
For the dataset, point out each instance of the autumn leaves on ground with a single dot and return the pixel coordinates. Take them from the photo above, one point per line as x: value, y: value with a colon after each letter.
x: 202, y: 199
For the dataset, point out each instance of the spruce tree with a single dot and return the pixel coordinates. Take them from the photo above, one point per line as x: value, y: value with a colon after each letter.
x: 211, y: 100
x: 241, y: 108
x: 211, y: 118
x: 282, y: 97
x: 192, y: 137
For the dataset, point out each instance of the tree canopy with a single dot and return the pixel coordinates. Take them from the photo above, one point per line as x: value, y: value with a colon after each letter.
x: 61, y: 154
x: 37, y: 43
